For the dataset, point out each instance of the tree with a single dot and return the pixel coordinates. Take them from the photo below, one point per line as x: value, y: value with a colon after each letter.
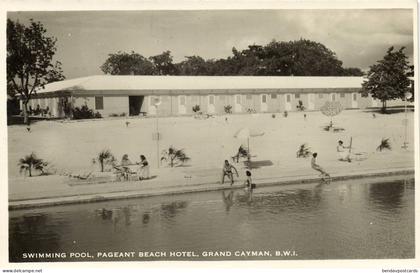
x: 174, y: 156
x: 388, y: 78
x: 353, y: 71
x: 122, y: 63
x: 105, y: 157
x: 163, y: 64
x: 30, y: 63
x: 30, y: 162
x: 193, y: 66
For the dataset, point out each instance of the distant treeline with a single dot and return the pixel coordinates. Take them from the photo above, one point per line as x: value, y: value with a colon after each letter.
x: 292, y: 58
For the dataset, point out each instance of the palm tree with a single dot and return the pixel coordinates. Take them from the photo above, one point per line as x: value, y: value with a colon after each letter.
x: 30, y: 162
x: 105, y: 157
x: 303, y: 151
x: 174, y: 156
x: 384, y: 145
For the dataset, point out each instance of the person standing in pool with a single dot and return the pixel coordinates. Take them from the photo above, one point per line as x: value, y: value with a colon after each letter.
x: 227, y: 171
x: 318, y: 168
x: 248, y: 182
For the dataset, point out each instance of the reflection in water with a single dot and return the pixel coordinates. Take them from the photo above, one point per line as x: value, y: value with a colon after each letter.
x: 300, y: 200
x: 146, y: 218
x: 386, y: 197
x: 26, y: 233
x: 320, y: 221
x: 170, y: 210
x: 227, y: 199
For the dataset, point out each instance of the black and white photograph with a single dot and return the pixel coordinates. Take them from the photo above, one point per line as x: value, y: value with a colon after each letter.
x: 205, y: 134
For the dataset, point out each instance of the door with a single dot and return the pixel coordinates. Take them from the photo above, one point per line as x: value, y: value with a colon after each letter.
x: 354, y: 100
x: 264, y: 106
x: 288, y: 104
x: 134, y: 104
x: 182, y: 110
x: 311, y: 103
x: 238, y: 105
x: 210, y: 105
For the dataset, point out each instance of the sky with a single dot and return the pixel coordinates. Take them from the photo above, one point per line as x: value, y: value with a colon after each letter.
x: 86, y: 38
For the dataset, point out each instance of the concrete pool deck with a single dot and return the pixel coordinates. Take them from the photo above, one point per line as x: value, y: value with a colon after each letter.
x: 59, y: 190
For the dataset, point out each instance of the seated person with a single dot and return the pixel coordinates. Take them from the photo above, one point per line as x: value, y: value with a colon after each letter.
x: 125, y: 162
x: 343, y: 152
x: 144, y: 168
x: 242, y: 152
x: 318, y: 168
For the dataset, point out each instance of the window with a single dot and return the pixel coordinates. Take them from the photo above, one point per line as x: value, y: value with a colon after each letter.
x: 182, y: 100
x: 248, y: 97
x: 333, y: 97
x: 288, y: 98
x: 99, y: 103
x: 342, y: 95
x: 274, y: 96
x: 321, y: 96
x: 238, y: 99
x: 354, y: 96
x: 211, y: 100
x: 264, y: 98
x: 297, y: 96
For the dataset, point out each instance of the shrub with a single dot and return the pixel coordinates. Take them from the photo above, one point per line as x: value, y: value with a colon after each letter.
x: 174, y: 156
x: 196, y: 108
x: 384, y: 145
x: 113, y: 115
x: 285, y: 114
x: 123, y: 114
x: 85, y: 113
x: 228, y: 109
x: 273, y: 115
x: 303, y: 151
x: 300, y: 106
x: 30, y: 162
x: 105, y: 157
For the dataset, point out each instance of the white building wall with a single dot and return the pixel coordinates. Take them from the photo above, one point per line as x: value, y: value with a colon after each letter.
x: 114, y: 105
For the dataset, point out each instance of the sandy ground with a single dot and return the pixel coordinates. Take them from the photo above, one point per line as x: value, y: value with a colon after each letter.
x: 70, y: 146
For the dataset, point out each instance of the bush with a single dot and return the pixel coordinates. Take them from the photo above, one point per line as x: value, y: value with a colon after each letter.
x: 285, y: 114
x: 385, y: 145
x: 300, y: 106
x: 174, y: 156
x: 85, y: 113
x: 113, y: 115
x: 228, y: 109
x: 303, y: 151
x: 196, y: 108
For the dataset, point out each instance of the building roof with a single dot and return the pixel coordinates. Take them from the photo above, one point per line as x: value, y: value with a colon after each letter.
x: 173, y: 83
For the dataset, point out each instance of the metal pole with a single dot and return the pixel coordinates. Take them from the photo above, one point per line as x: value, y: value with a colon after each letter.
x: 157, y: 136
x: 405, y: 145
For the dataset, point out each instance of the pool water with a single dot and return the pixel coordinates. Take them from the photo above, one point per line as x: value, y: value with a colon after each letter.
x: 359, y: 219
